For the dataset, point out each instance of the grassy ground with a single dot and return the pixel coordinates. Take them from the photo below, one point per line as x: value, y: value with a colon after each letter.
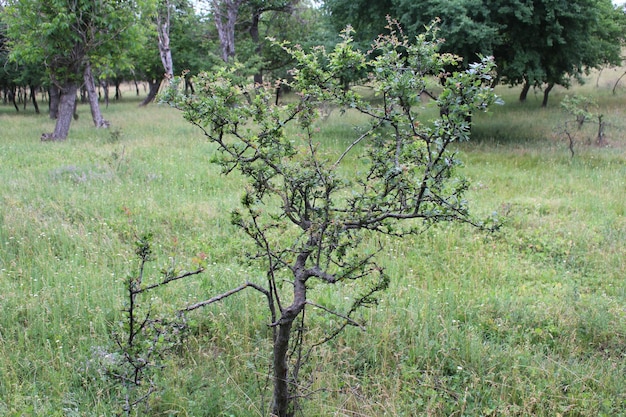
x: 529, y: 321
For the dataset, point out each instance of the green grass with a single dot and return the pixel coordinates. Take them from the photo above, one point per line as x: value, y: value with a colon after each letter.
x: 530, y: 321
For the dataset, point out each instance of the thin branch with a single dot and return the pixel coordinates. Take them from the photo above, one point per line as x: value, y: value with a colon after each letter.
x: 169, y: 279
x: 356, y: 142
x: 334, y: 313
x: 224, y: 295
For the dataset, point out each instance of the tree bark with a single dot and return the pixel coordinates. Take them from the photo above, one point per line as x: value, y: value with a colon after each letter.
x: 67, y: 103
x: 282, y: 400
x: 92, y: 96
x: 524, y: 94
x: 163, y: 32
x: 254, y: 34
x: 12, y: 94
x: 33, y: 96
x: 226, y: 12
x: 55, y: 97
x: 546, y: 92
x: 154, y: 86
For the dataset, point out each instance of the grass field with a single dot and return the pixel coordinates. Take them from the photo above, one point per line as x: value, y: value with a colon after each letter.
x: 529, y: 321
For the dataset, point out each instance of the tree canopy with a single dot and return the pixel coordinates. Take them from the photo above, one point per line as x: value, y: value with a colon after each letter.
x: 534, y: 42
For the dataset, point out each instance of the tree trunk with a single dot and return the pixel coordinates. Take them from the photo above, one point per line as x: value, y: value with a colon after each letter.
x: 55, y: 97
x: 33, y: 96
x: 226, y: 12
x: 92, y: 96
x: 524, y: 94
x: 546, y: 92
x: 163, y: 32
x: 254, y: 34
x: 67, y: 105
x: 189, y: 86
x: 282, y: 400
x: 152, y: 93
x: 12, y: 97
x: 118, y: 89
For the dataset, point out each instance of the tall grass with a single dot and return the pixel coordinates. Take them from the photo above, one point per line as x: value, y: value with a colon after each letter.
x: 526, y: 321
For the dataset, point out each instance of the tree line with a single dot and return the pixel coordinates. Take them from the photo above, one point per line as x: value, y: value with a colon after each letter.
x: 62, y: 47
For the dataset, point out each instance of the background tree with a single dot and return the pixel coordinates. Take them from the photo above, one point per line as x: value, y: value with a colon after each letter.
x: 65, y: 35
x: 535, y: 42
x: 305, y: 209
x: 552, y: 42
x: 174, y: 33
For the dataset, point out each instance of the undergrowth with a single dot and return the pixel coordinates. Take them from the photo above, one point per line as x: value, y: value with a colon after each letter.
x: 527, y: 321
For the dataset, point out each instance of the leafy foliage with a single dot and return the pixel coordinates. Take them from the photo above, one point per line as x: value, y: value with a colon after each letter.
x: 534, y: 42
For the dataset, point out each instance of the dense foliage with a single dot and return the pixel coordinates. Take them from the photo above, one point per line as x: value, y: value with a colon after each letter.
x: 534, y: 42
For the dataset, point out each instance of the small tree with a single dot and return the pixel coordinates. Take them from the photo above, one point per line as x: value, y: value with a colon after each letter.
x: 581, y: 108
x: 309, y: 210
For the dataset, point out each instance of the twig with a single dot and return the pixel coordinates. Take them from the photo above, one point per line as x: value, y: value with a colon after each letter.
x: 224, y: 295
x: 169, y: 279
x: 334, y: 313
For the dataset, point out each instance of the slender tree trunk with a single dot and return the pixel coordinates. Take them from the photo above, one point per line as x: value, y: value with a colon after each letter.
x: 546, y: 92
x: 226, y: 12
x: 189, y: 86
x: 524, y: 94
x: 92, y: 95
x: 118, y: 90
x: 154, y: 86
x: 105, y: 88
x: 33, y: 96
x: 12, y: 95
x: 617, y: 82
x: 163, y: 32
x: 254, y: 34
x: 67, y: 105
x: 55, y: 97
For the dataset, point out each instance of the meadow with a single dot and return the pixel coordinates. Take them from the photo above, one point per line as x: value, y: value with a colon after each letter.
x: 527, y: 321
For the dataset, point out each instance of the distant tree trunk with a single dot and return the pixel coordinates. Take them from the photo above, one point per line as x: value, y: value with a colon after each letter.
x: 105, y: 87
x: 92, y: 95
x: 66, y: 109
x: 189, y: 86
x: 254, y: 34
x: 226, y: 12
x: 55, y: 97
x: 154, y: 86
x: 33, y: 96
x: 12, y: 95
x: 163, y: 32
x: 524, y: 94
x: 617, y: 82
x: 546, y: 92
x: 118, y: 90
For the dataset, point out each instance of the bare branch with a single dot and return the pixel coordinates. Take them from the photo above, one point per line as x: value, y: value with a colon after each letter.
x: 334, y: 313
x: 224, y: 295
x: 169, y: 279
